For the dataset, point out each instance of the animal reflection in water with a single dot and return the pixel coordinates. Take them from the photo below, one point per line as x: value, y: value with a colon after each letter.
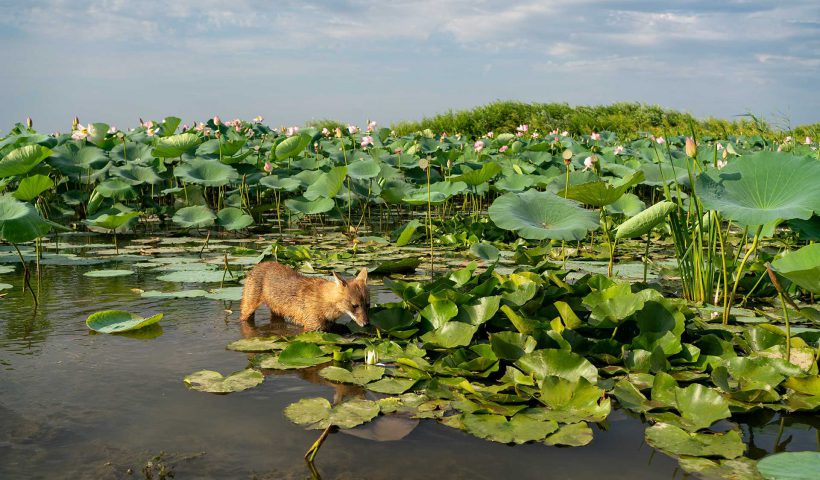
x: 383, y: 428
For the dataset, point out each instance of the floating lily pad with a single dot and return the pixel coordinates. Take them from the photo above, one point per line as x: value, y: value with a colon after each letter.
x: 392, y: 385
x: 318, y: 414
x: 213, y: 382
x: 116, y: 321
x: 205, y: 276
x: 677, y: 441
x: 257, y: 344
x: 519, y: 429
x: 790, y: 466
x: 358, y: 375
x: 108, y: 273
x: 571, y: 435
x: 177, y: 294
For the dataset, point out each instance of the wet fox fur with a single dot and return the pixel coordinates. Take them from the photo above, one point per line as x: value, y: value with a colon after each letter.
x: 314, y: 303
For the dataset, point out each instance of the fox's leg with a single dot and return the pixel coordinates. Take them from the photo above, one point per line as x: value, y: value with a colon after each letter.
x: 250, y: 302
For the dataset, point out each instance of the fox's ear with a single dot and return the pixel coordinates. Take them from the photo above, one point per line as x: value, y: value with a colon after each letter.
x: 362, y: 276
x: 339, y: 280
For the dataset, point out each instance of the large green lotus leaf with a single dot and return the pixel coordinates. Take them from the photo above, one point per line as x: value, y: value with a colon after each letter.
x: 363, y: 169
x: 540, y: 215
x: 116, y: 188
x: 327, y: 185
x: 108, y: 273
x: 439, y: 193
x: 667, y: 172
x: 196, y: 276
x: 318, y: 414
x: 132, y: 153
x: 614, y: 304
x: 292, y: 146
x: 85, y: 164
x: 226, y: 147
x: 790, y: 466
x: 232, y: 218
x: 485, y: 251
x: 358, y: 375
x: 571, y: 435
x: 801, y: 267
x: 660, y: 327
x: 392, y: 385
x: 751, y: 373
x: 519, y: 429
x: 211, y: 173
x: 573, y: 401
x: 20, y: 160
x: 477, y: 177
x: 515, y: 183
x: 257, y: 344
x: 628, y: 205
x: 407, y: 233
x: 276, y: 183
x: 601, y: 193
x: 559, y: 363
x: 700, y: 405
x: 310, y: 207
x: 197, y: 216
x: 136, y: 174
x: 451, y: 335
x: 213, y: 382
x: 31, y: 187
x: 20, y: 222
x: 511, y: 345
x: 677, y: 441
x: 175, y: 145
x: 644, y: 221
x: 117, y: 321
x: 112, y: 219
x: 302, y: 354
x: 763, y: 187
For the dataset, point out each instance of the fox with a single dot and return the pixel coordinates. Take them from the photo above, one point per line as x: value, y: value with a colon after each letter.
x: 314, y: 303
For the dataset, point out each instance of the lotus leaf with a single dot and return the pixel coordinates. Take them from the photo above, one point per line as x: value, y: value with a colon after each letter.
x: 763, y: 187
x: 232, y: 218
x: 20, y: 222
x: 518, y: 429
x: 540, y: 215
x: 210, y: 173
x: 318, y: 414
x: 175, y: 145
x: 31, y: 187
x: 485, y: 251
x: 644, y: 221
x: 327, y: 185
x: 213, y: 382
x: 20, y: 160
x: 677, y: 441
x: 197, y: 216
x: 601, y: 193
x: 363, y: 169
x: 308, y: 207
x: 802, y: 267
x: 118, y: 321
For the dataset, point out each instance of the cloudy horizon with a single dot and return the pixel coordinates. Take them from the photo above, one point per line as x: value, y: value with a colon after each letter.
x: 115, y: 61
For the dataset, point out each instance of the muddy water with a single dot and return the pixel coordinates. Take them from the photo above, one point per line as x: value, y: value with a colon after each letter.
x: 79, y: 405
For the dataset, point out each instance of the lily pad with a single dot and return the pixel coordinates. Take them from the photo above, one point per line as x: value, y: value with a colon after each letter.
x: 358, y: 375
x: 677, y: 441
x: 318, y: 414
x: 213, y: 382
x: 197, y: 216
x: 193, y: 276
x: 108, y: 273
x: 790, y: 466
x: 257, y: 344
x: 571, y: 435
x: 116, y: 321
x: 519, y: 429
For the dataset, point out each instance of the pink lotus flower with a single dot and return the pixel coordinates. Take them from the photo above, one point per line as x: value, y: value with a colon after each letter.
x: 291, y: 131
x: 80, y: 132
x: 443, y: 134
x: 722, y: 163
x: 595, y: 136
x: 185, y: 127
x: 619, y: 150
x: 523, y: 128
x: 503, y: 149
x: 325, y: 132
x: 808, y: 141
x: 217, y: 121
x: 367, y: 140
x: 352, y: 129
x: 565, y: 133
x: 397, y: 151
x: 268, y: 167
x: 371, y: 125
x: 535, y: 135
x: 151, y: 131
x: 490, y: 134
x: 519, y: 134
x: 554, y: 132
x: 147, y: 124
x: 589, y: 162
x: 200, y: 127
x: 719, y: 147
x: 478, y: 146
x: 660, y: 140
x: 112, y: 129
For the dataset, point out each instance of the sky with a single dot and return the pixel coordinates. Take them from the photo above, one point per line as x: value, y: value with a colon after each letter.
x: 115, y: 61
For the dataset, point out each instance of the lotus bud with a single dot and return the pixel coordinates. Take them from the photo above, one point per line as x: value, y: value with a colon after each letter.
x: 325, y: 132
x: 478, y: 146
x: 29, y: 122
x: 217, y: 121
x: 535, y: 135
x: 690, y: 147
x: 808, y: 141
x: 490, y: 134
x: 268, y: 167
x: 725, y: 154
x: 595, y: 136
x: 338, y: 132
x: 619, y: 150
x: 503, y: 149
x: 371, y: 356
x: 75, y: 123
x: 449, y: 164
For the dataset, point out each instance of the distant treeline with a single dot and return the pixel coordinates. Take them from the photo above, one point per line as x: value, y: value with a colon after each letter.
x: 625, y: 119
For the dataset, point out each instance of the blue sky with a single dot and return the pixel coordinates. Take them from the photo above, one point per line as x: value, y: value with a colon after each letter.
x: 290, y: 61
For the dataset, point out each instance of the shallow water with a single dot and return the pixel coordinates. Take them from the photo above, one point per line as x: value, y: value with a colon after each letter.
x: 74, y: 404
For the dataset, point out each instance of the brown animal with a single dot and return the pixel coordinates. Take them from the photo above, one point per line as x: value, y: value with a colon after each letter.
x: 314, y: 303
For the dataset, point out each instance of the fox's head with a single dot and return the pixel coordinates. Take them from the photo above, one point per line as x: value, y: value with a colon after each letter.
x: 355, y: 298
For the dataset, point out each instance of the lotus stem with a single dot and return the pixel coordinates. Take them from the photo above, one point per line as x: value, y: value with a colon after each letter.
x: 784, y: 298
x: 26, y: 275
x: 310, y: 455
x: 729, y: 302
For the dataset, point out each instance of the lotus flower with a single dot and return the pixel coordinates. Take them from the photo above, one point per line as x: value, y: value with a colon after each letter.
x: 29, y: 122
x: 722, y: 163
x: 554, y: 132
x: 397, y: 151
x: 325, y: 132
x: 523, y: 128
x: 503, y: 149
x: 338, y: 132
x: 371, y: 125
x: 660, y: 140
x: 565, y: 133
x: 291, y: 131
x: 490, y: 134
x: 367, y: 140
x: 595, y: 136
x: 185, y: 127
x: 268, y: 167
x: 619, y: 150
x: 112, y: 129
x: 80, y: 132
x: 151, y: 131
x: 478, y: 146
x: 217, y: 121
x: 535, y: 135
x: 258, y: 119
x: 690, y: 148
x: 808, y: 141
x: 719, y: 147
x: 352, y: 129
x: 589, y: 162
